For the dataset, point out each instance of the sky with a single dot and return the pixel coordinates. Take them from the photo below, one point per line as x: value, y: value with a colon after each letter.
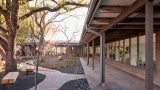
x: 72, y: 24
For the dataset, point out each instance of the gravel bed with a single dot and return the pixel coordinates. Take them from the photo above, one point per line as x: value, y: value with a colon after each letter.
x: 78, y: 84
x: 23, y: 82
x: 78, y: 69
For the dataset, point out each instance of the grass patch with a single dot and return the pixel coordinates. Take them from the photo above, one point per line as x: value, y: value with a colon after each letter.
x: 57, y: 64
x: 2, y: 73
x: 21, y: 72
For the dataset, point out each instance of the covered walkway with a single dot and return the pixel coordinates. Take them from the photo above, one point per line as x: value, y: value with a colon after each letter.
x: 115, y: 78
x: 126, y: 33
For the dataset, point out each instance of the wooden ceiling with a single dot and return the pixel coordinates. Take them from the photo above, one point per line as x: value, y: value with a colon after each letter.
x: 119, y: 19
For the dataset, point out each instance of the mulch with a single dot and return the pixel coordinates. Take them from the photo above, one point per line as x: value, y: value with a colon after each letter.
x: 23, y: 82
x: 78, y: 69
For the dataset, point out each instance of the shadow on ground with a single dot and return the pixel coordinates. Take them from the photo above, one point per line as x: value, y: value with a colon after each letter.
x: 23, y: 82
x: 78, y: 84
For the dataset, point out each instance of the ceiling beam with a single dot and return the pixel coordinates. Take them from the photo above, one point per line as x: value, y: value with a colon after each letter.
x: 128, y: 27
x: 96, y: 26
x: 111, y: 9
x: 136, y: 5
x: 141, y: 20
x: 99, y: 19
x: 132, y: 26
x: 156, y: 10
x: 128, y: 21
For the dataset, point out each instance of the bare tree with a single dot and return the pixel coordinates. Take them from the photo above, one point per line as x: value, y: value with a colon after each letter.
x: 69, y: 38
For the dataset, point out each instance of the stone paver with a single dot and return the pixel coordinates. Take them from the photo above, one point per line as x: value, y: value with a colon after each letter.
x: 115, y: 78
x: 55, y: 79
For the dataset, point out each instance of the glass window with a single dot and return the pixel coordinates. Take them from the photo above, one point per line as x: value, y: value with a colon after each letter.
x: 134, y: 51
x: 113, y: 50
x: 141, y: 51
x: 90, y: 50
x: 121, y: 50
x: 117, y: 50
x: 108, y: 50
x: 154, y: 47
x: 126, y: 52
x: 98, y: 50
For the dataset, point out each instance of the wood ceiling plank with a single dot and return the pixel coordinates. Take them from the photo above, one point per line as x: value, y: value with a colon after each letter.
x: 112, y: 9
x: 132, y: 8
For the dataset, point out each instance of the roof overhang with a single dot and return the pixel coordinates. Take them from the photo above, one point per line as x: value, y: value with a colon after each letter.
x: 118, y: 19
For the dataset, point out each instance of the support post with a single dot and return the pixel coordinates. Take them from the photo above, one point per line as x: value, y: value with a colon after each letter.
x: 119, y: 51
x: 93, y: 49
x: 102, y: 55
x: 149, y: 45
x: 83, y: 51
x: 88, y: 53
x: 102, y: 58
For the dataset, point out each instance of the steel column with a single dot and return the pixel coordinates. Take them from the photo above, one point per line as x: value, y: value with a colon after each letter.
x: 102, y: 58
x: 83, y: 51
x: 93, y: 49
x: 88, y: 53
x: 149, y: 45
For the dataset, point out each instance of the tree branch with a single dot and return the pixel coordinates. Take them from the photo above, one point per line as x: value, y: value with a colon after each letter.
x: 32, y: 28
x: 52, y: 9
x: 63, y: 18
x: 2, y: 11
x: 4, y: 43
x: 3, y: 29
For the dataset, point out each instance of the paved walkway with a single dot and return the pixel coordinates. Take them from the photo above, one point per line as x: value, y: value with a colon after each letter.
x: 54, y: 79
x: 115, y: 78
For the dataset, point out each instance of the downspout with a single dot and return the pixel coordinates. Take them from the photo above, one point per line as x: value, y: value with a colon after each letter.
x: 102, y: 55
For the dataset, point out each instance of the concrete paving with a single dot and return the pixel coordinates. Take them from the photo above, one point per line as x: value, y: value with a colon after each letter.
x: 54, y: 79
x: 115, y: 78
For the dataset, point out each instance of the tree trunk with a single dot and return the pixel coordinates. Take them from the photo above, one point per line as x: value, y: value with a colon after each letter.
x: 12, y: 26
x: 11, y: 64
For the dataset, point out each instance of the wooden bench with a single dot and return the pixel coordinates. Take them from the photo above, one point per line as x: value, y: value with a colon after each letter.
x: 11, y: 77
x: 29, y: 70
x: 60, y: 58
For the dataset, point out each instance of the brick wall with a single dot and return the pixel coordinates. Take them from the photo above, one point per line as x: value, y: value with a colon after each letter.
x: 132, y: 70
